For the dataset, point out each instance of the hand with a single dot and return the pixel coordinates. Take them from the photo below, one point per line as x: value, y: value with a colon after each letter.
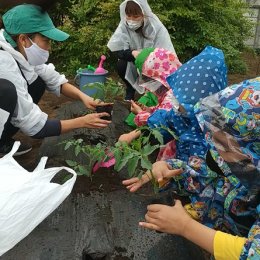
x: 128, y: 138
x: 135, y: 108
x: 94, y: 120
x: 135, y: 184
x: 172, y: 220
x: 160, y: 172
x: 92, y: 103
x: 135, y: 53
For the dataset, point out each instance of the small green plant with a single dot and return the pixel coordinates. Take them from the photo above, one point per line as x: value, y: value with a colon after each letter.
x: 90, y: 154
x: 108, y: 91
x: 136, y: 156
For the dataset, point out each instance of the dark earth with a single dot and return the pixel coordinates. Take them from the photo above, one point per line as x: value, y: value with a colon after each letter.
x: 99, y: 220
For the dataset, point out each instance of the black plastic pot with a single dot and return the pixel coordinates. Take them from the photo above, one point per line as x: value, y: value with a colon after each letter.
x: 165, y: 198
x: 108, y: 109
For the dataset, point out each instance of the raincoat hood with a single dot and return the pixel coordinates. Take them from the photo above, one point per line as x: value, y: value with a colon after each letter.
x: 124, y: 38
x: 147, y: 11
x: 230, y: 122
x: 158, y: 64
x: 202, y: 76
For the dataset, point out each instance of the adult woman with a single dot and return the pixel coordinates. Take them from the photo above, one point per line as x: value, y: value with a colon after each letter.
x: 139, y: 28
x: 24, y: 50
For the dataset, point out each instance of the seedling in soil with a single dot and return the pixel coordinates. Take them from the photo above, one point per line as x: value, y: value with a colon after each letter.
x: 107, y: 92
x: 136, y: 156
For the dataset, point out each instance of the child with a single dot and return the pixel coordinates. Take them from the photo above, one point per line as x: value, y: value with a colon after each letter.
x: 230, y: 122
x: 154, y: 64
x: 202, y: 76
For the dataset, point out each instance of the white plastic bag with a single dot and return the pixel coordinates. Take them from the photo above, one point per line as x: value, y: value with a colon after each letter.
x: 27, y: 198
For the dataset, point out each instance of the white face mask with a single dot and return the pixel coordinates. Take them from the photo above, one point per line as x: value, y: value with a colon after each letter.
x: 134, y: 25
x: 36, y: 55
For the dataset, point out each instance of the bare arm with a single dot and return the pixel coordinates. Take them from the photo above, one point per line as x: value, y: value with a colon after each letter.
x: 175, y: 220
x: 71, y: 91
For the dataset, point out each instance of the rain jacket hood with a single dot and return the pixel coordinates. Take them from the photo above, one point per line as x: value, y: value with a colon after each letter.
x: 124, y: 38
x: 156, y: 36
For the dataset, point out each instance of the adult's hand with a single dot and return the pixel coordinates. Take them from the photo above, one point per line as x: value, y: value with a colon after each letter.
x: 94, y: 120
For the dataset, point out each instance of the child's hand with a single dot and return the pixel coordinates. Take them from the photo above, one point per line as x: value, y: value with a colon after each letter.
x: 135, y: 184
x: 172, y: 220
x: 129, y: 137
x: 135, y: 53
x: 135, y: 108
x: 126, y: 138
x: 162, y: 171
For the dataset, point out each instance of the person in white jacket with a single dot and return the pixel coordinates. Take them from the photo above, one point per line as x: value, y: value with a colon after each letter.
x: 25, y: 41
x: 139, y: 28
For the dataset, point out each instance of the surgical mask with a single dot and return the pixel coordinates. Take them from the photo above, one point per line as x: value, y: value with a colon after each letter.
x: 36, y: 55
x: 134, y: 25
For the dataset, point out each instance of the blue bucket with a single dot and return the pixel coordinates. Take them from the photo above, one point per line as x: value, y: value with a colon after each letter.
x: 85, y: 77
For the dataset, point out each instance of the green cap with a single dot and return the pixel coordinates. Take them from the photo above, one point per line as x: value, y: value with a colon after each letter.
x: 142, y: 56
x: 27, y: 18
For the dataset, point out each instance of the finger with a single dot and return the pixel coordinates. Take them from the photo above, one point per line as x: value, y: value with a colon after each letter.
x: 149, y: 226
x: 163, y: 182
x: 152, y: 214
x: 104, y: 104
x: 102, y: 114
x: 155, y: 207
x: 160, y: 177
x: 135, y: 187
x: 177, y: 203
x: 172, y: 173
x: 98, y: 125
x: 130, y: 181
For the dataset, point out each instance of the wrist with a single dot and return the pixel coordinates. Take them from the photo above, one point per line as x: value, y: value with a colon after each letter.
x: 79, y: 122
x: 85, y: 98
x: 187, y: 223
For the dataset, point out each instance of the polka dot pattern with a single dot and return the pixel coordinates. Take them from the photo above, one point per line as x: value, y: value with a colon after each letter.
x: 203, y: 75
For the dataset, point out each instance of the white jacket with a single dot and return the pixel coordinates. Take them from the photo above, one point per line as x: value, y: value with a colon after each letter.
x: 27, y: 116
x: 123, y: 38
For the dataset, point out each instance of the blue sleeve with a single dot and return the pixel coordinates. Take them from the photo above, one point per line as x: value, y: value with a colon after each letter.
x: 157, y: 119
x: 52, y: 127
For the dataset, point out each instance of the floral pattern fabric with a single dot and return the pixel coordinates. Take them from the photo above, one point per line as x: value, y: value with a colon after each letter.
x: 159, y: 64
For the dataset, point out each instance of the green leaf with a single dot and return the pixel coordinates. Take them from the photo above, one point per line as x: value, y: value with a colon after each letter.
x: 145, y: 163
x: 71, y: 163
x: 158, y: 136
x: 77, y: 150
x: 67, y: 146
x: 118, y: 155
x: 83, y: 170
x: 123, y: 162
x: 149, y: 149
x: 131, y: 166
